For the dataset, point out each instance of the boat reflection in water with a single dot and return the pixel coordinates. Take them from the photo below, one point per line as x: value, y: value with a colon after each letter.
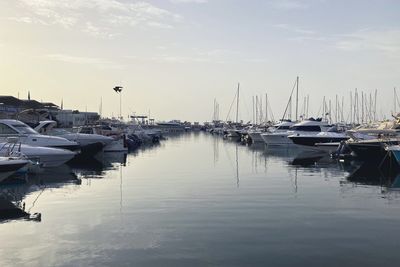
x: 13, y: 196
x: 96, y: 167
x: 388, y: 180
x: 10, y: 211
x: 18, y: 199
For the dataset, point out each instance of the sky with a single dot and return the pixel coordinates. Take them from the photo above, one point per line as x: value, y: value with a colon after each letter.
x: 174, y: 57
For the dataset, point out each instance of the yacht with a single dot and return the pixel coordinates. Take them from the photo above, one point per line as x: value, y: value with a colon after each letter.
x: 378, y: 129
x: 90, y: 144
x: 277, y: 134
x: 304, y: 127
x: 118, y: 144
x: 170, y: 127
x: 144, y: 134
x: 46, y: 156
x: 255, y: 134
x: 326, y: 141
x: 28, y: 136
x: 372, y: 150
x: 235, y: 130
x: 10, y: 165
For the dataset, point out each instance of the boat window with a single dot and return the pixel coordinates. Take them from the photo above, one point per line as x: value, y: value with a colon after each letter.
x: 25, y: 129
x: 310, y: 128
x: 5, y: 129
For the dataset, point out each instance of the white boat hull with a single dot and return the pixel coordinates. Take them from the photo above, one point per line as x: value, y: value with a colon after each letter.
x: 47, y: 157
x: 276, y: 139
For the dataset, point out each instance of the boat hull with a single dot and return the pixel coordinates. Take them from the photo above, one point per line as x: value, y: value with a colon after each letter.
x: 369, y: 152
x: 311, y: 141
x: 276, y: 139
x: 255, y: 137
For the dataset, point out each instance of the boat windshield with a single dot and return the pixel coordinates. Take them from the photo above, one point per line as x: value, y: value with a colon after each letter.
x: 306, y: 128
x: 24, y: 129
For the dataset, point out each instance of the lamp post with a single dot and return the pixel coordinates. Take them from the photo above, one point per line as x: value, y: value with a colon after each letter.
x: 118, y: 89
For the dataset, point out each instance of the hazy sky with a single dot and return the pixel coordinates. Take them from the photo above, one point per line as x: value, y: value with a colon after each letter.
x: 174, y: 56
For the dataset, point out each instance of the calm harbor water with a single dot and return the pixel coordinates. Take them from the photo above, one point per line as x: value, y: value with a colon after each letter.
x: 199, y: 200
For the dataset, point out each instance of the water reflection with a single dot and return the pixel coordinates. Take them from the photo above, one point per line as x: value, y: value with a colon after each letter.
x: 364, y: 174
x: 13, y: 194
x: 314, y: 162
x: 10, y: 211
x: 96, y: 167
x: 200, y: 200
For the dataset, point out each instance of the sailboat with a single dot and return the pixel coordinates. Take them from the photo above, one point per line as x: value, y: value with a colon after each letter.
x: 235, y: 128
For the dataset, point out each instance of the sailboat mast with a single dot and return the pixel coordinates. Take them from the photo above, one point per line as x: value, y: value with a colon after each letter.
x: 237, y: 104
x: 257, y: 115
x: 336, y: 109
x: 394, y: 99
x: 376, y: 91
x: 254, y: 112
x: 297, y: 97
x: 266, y: 108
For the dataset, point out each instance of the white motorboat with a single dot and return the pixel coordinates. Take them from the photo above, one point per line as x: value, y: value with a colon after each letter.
x: 28, y: 136
x: 255, y: 133
x: 46, y: 156
x: 118, y: 143
x: 144, y: 134
x: 10, y: 165
x: 325, y: 141
x: 304, y: 127
x: 277, y: 134
x: 89, y: 143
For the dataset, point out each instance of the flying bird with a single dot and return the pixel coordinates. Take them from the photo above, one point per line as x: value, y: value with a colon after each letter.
x: 118, y: 89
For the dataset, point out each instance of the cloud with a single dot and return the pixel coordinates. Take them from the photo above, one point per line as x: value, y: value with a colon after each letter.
x: 384, y: 41
x: 98, y: 62
x: 100, y: 18
x: 189, y: 1
x: 159, y: 25
x: 193, y: 55
x: 294, y: 29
